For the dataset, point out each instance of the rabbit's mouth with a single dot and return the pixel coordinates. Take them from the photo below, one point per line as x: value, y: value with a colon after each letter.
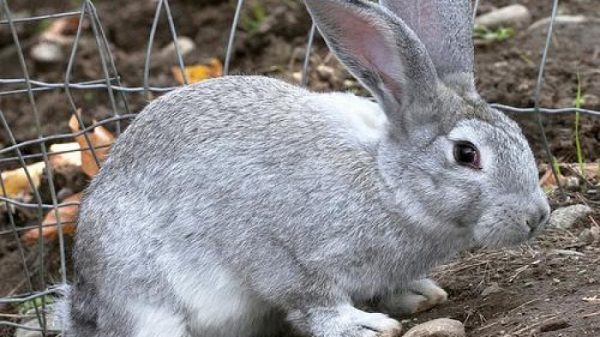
x: 511, y: 220
x: 501, y: 234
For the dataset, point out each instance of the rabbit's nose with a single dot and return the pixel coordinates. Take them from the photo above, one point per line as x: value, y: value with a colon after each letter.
x: 538, y: 216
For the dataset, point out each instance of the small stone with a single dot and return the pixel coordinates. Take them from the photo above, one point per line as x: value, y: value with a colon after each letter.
x: 595, y: 231
x: 325, y: 72
x: 185, y: 44
x: 565, y: 217
x: 554, y: 325
x: 509, y: 16
x: 571, y: 182
x: 297, y: 76
x: 349, y: 83
x: 493, y: 288
x: 591, y: 100
x: 299, y: 54
x: 47, y: 52
x: 442, y: 327
x: 590, y: 235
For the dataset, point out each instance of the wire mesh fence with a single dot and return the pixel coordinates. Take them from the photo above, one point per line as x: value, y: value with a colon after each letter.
x: 34, y: 272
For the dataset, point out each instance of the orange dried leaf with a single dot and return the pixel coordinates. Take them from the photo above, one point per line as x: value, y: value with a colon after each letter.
x: 591, y: 171
x: 64, y: 26
x: 100, y: 140
x: 547, y: 179
x: 74, y: 123
x: 16, y: 184
x: 199, y: 72
x: 67, y: 215
x: 61, y: 29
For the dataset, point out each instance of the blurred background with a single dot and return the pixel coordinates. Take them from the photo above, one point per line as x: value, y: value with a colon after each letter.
x: 132, y: 47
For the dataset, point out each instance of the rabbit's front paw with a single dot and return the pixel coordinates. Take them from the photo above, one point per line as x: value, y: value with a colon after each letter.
x: 420, y: 295
x: 379, y: 325
x: 347, y: 321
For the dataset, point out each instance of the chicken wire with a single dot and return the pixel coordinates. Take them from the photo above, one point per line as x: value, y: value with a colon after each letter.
x: 35, y: 277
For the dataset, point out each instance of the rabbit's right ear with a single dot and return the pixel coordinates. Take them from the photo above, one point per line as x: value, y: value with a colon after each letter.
x: 445, y: 27
x: 379, y: 50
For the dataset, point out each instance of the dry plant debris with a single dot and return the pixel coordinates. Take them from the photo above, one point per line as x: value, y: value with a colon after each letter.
x: 199, y: 72
x: 16, y: 182
x: 100, y: 140
x: 50, y: 230
x: 76, y: 155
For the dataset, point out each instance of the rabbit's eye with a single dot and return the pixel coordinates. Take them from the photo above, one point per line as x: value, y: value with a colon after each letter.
x: 465, y: 153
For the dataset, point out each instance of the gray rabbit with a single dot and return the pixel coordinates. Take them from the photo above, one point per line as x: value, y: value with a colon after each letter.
x: 244, y: 206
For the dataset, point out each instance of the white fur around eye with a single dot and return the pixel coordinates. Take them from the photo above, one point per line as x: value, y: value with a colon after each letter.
x: 472, y: 131
x: 361, y: 117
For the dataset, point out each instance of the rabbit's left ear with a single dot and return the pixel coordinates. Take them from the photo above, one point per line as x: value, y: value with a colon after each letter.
x: 446, y: 29
x: 382, y: 52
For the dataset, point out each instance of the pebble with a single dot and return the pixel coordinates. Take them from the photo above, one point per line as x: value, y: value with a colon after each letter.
x: 47, y: 52
x: 591, y: 100
x: 590, y: 235
x: 185, y: 44
x: 350, y: 83
x: 565, y: 217
x: 510, y: 16
x: 554, y: 325
x: 297, y: 76
x: 493, y: 288
x: 442, y: 327
x: 571, y: 182
x: 325, y: 72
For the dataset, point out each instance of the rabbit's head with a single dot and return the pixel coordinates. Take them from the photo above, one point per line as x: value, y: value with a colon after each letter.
x: 448, y: 159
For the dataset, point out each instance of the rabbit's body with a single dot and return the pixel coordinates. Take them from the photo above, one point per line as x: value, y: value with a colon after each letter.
x: 241, y: 205
x: 303, y: 214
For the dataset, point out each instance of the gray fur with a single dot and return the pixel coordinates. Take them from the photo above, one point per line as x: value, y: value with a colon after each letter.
x: 446, y: 29
x: 238, y: 206
x: 390, y: 61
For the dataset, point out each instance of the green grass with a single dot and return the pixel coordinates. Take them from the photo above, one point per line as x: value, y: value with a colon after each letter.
x: 42, y: 26
x: 556, y: 166
x: 497, y: 35
x: 292, y: 4
x: 252, y: 20
x: 27, y: 306
x: 578, y: 103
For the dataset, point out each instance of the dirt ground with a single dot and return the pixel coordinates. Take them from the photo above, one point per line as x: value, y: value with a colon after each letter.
x: 550, y: 287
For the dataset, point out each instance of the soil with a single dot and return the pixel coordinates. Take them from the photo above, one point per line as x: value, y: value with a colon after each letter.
x: 549, y: 287
x: 542, y: 290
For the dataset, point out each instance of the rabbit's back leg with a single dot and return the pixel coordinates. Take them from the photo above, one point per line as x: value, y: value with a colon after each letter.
x: 129, y: 320
x: 85, y: 314
x: 154, y: 321
x: 216, y: 304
